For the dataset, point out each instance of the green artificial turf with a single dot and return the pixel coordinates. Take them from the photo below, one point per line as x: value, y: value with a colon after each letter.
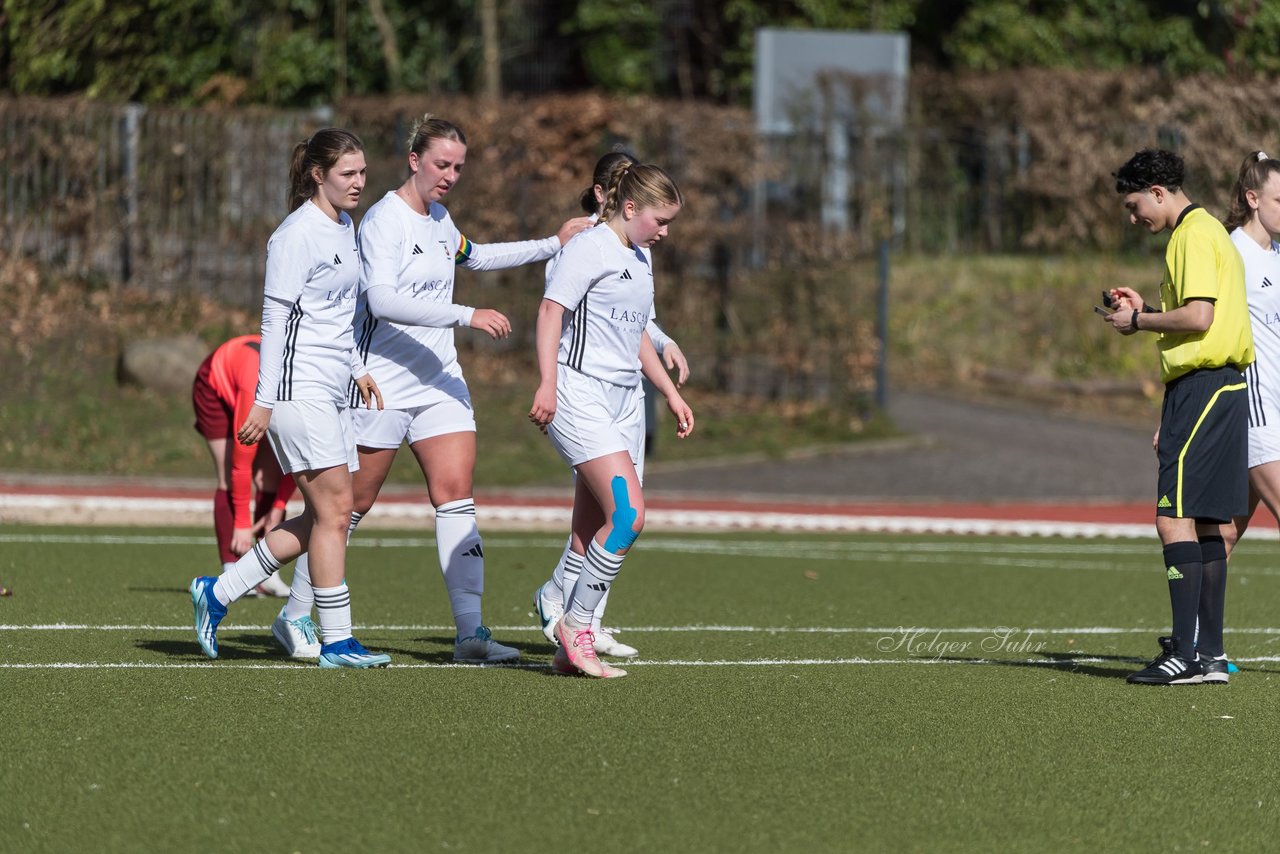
x: 853, y: 694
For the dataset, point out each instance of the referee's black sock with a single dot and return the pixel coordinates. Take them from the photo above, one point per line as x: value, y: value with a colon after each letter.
x: 1213, y: 596
x: 1185, y: 569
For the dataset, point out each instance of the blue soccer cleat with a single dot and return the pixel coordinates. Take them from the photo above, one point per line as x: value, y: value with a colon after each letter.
x: 209, y: 612
x: 349, y: 653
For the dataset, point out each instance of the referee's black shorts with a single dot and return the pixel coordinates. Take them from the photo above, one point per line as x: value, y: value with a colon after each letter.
x: 1204, y: 446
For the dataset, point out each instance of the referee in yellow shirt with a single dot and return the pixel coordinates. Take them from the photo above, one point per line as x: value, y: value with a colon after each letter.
x: 1205, y: 340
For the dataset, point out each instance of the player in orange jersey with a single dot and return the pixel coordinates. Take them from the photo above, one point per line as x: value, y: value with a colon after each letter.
x: 221, y: 396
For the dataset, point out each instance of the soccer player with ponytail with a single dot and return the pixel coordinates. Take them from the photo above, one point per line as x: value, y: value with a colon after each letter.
x: 592, y: 348
x: 551, y: 598
x: 307, y: 363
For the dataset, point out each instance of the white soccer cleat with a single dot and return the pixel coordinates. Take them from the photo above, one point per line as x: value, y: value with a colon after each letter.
x: 298, y: 637
x: 481, y: 648
x: 607, y: 644
x: 549, y: 610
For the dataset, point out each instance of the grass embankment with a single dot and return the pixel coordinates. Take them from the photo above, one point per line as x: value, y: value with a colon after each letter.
x: 1023, y: 327
x: 65, y: 411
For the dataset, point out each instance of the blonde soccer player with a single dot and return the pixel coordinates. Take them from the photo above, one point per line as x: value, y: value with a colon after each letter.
x: 411, y: 249
x: 592, y: 348
x: 551, y: 597
x: 307, y: 362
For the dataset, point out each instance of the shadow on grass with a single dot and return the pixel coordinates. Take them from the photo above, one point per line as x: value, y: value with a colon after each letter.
x: 243, y: 648
x: 444, y: 655
x: 1064, y: 662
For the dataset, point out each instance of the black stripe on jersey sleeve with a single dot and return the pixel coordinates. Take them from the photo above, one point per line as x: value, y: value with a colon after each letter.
x: 578, y: 344
x: 285, y: 391
x: 364, y: 342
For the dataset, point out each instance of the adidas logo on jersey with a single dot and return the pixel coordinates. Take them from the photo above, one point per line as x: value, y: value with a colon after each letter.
x: 337, y: 260
x: 474, y: 551
x: 1266, y: 283
x: 626, y: 274
x: 417, y: 250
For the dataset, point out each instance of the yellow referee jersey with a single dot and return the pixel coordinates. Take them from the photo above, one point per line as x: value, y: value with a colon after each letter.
x: 1201, y: 262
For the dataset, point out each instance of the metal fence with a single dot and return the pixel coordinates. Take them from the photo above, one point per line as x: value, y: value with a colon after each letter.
x: 161, y: 198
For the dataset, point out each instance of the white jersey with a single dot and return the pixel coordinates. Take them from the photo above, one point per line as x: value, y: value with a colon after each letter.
x: 1262, y: 284
x: 607, y: 291
x: 313, y: 265
x: 416, y: 256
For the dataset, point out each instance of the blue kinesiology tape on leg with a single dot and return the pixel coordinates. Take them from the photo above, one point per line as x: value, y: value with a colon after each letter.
x: 624, y: 516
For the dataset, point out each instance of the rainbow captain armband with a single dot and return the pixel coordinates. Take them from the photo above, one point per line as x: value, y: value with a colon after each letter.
x: 464, y: 249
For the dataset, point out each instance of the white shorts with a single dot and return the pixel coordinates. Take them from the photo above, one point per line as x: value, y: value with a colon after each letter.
x: 595, y: 418
x: 387, y: 428
x: 1264, y: 445
x: 309, y: 435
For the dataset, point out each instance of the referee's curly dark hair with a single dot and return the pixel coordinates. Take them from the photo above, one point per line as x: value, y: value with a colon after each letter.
x: 1148, y: 168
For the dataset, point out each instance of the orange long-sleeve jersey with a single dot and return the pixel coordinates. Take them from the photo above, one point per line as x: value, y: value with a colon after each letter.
x: 233, y: 375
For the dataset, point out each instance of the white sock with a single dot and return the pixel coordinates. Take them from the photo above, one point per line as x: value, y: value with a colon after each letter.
x: 598, y: 572
x: 598, y: 618
x: 556, y: 581
x: 252, y: 569
x: 333, y: 607
x: 301, y: 596
x: 569, y: 572
x: 461, y: 561
x: 227, y: 566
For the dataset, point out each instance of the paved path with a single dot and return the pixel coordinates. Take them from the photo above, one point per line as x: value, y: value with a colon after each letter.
x: 958, y: 452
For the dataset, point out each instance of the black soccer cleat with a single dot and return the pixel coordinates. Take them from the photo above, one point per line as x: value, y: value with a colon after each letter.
x: 1169, y: 668
x: 1214, y: 670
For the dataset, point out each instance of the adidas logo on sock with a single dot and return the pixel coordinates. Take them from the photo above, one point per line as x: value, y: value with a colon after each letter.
x: 1174, y: 575
x: 474, y: 551
x: 599, y: 587
x: 1164, y: 503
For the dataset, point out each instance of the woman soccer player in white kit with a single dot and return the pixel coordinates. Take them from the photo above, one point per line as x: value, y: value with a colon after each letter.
x: 404, y: 331
x: 308, y: 362
x: 551, y: 598
x: 592, y: 347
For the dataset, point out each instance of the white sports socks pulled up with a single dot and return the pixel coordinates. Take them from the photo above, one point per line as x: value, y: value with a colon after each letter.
x: 333, y: 608
x: 570, y: 569
x: 252, y: 569
x: 301, y: 596
x: 461, y: 562
x: 598, y: 572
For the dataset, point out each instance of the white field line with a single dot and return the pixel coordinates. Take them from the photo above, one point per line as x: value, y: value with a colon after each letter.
x: 497, y: 515
x: 895, y: 631
x: 301, y: 667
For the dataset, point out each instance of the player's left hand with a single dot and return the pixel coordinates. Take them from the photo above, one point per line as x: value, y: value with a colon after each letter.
x: 369, y: 391
x: 683, y: 414
x: 1121, y: 321
x: 673, y: 358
